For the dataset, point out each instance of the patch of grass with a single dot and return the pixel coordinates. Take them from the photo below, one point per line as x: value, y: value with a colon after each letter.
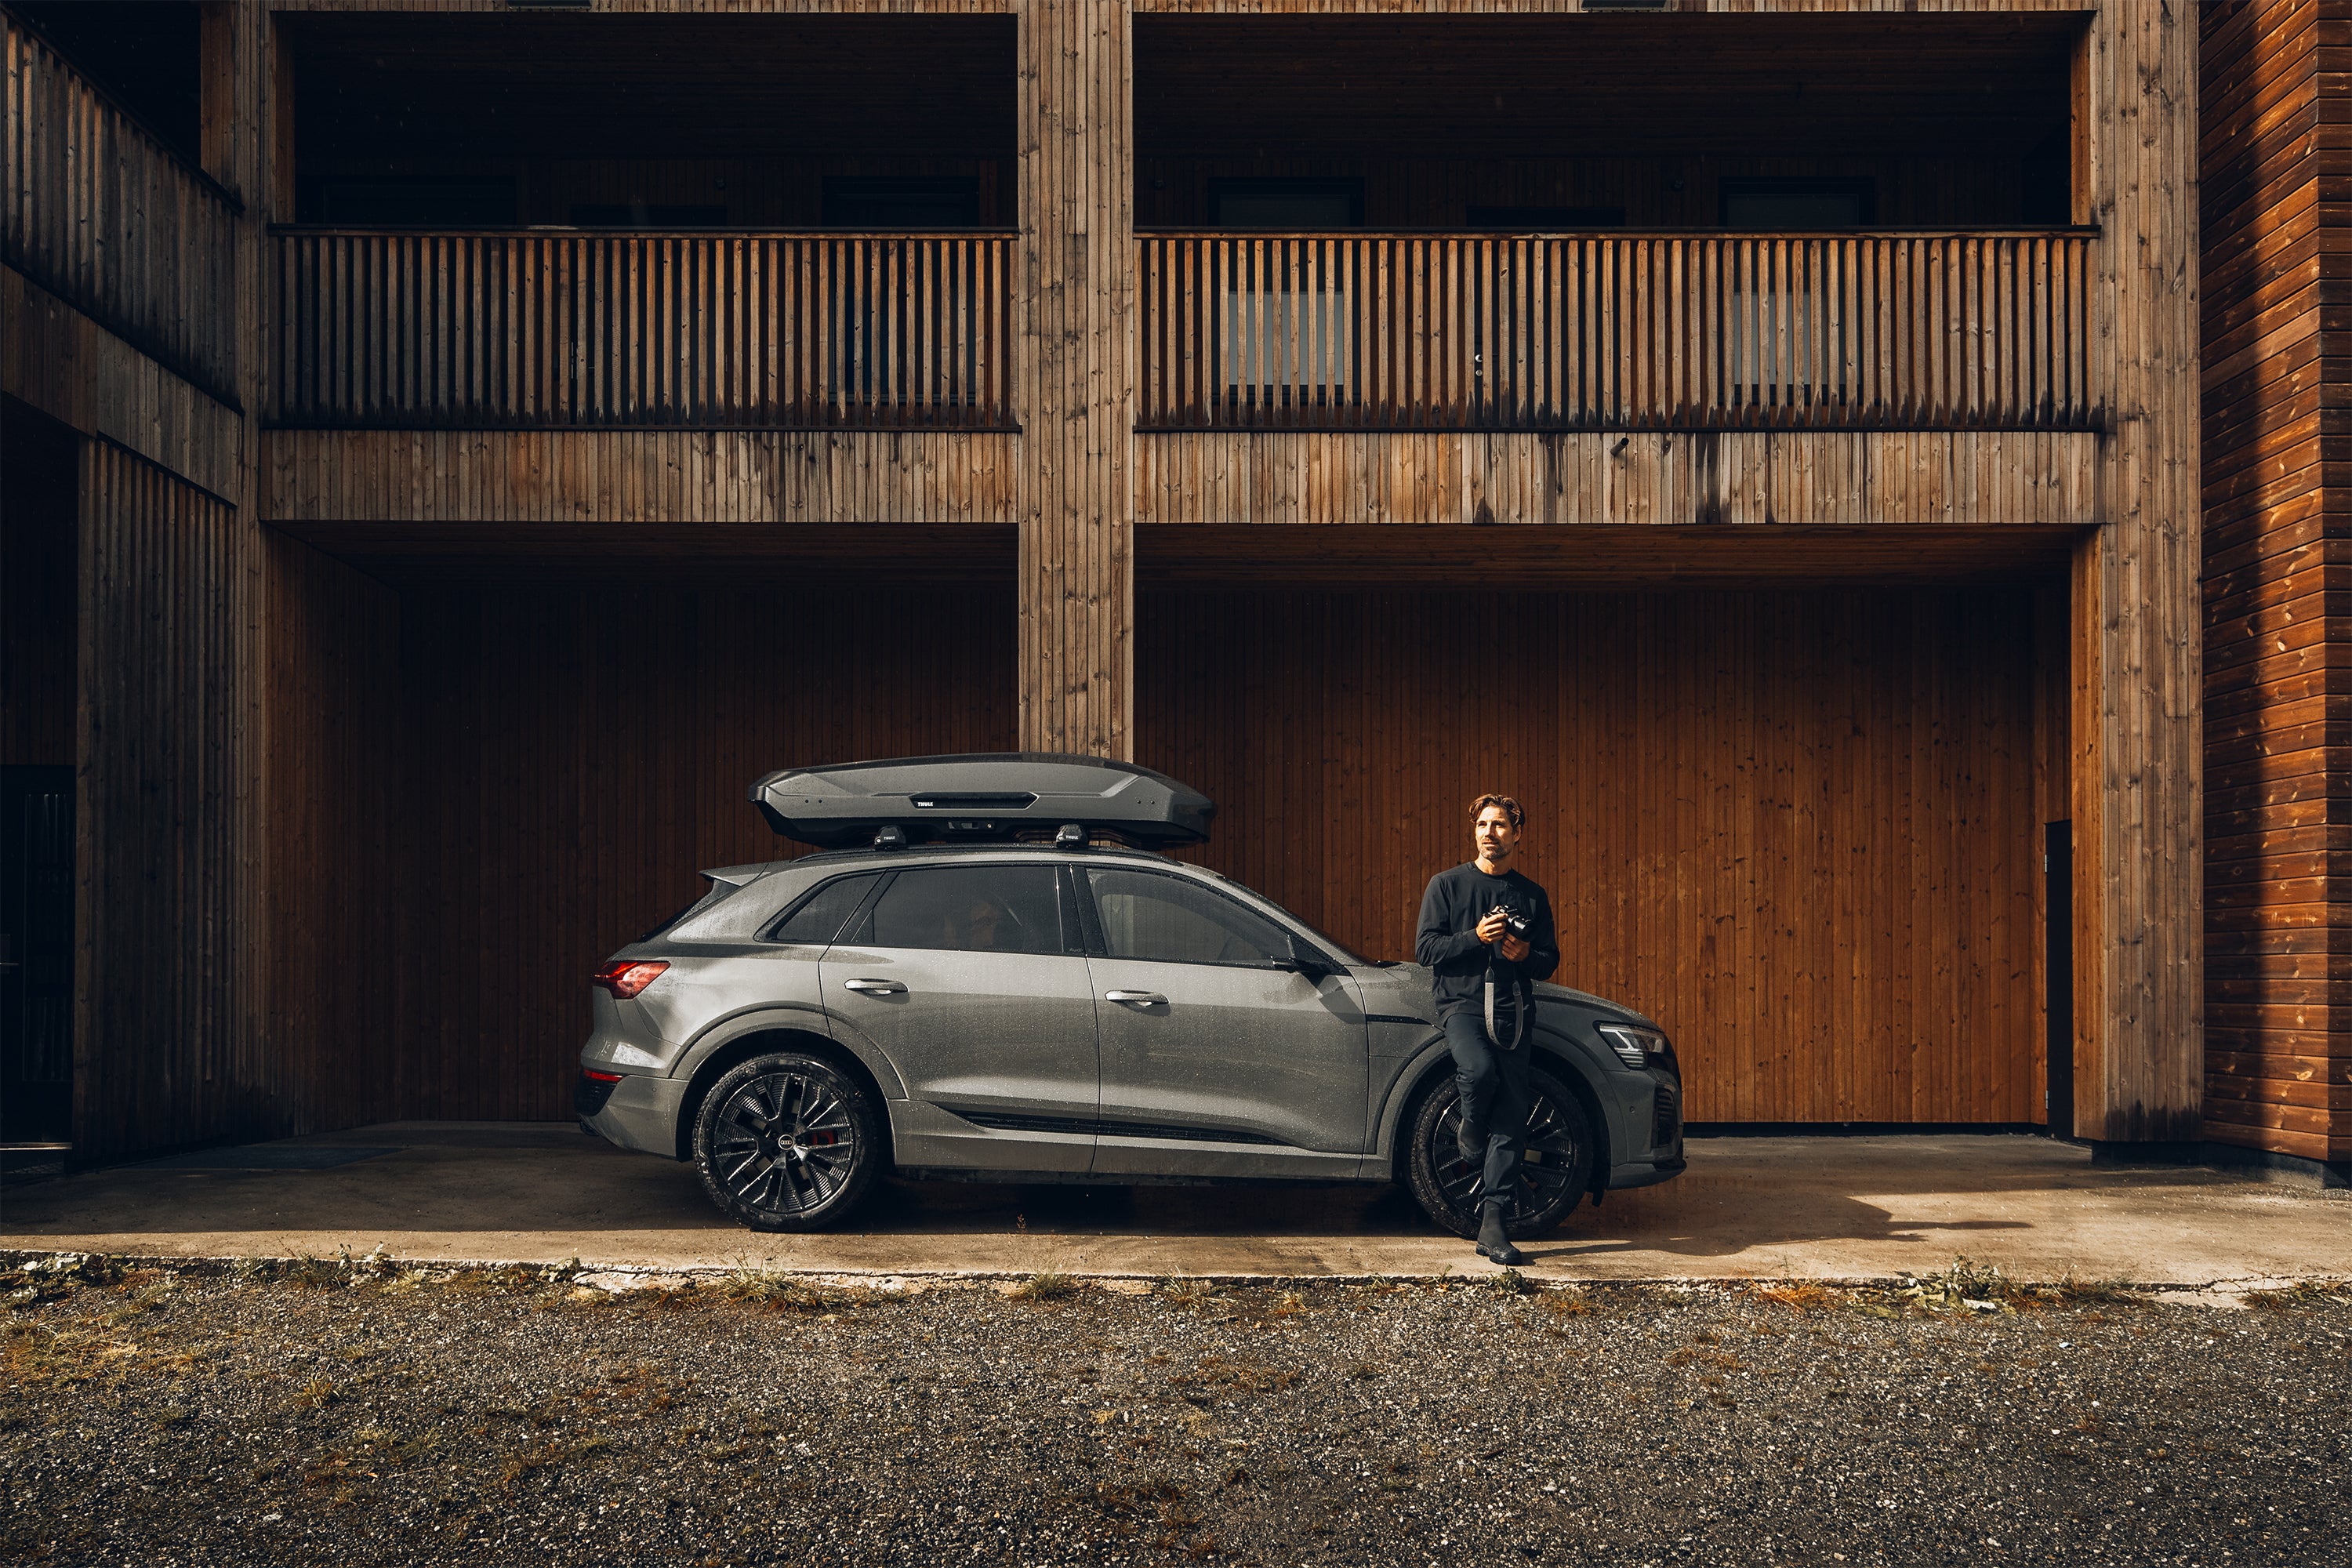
x: 1567, y: 1301
x: 1511, y: 1282
x: 2300, y: 1295
x: 1797, y: 1295
x: 782, y: 1293
x: 547, y: 1456
x: 315, y: 1394
x: 1049, y: 1285
x: 1193, y: 1293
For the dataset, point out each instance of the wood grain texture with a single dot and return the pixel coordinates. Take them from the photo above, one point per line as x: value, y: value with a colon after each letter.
x: 63, y: 362
x: 681, y: 477
x: 1556, y: 7
x: 1076, y: 408
x: 733, y: 332
x: 2277, y: 698
x: 1631, y: 331
x: 2138, y: 841
x: 104, y: 215
x: 160, y: 1058
x: 1636, y: 476
x: 1797, y: 829
x: 559, y: 800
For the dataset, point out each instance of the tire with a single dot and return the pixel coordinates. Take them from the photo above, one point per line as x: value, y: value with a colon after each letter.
x: 1552, y: 1179
x: 787, y: 1141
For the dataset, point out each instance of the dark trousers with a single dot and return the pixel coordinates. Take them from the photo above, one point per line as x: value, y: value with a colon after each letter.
x: 1495, y: 1099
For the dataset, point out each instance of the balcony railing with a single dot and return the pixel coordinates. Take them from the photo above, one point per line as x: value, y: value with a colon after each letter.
x: 1621, y: 331
x: 491, y: 330
x: 101, y: 213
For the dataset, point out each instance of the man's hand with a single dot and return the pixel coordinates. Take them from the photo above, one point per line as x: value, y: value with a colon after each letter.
x: 1514, y: 949
x: 1491, y: 928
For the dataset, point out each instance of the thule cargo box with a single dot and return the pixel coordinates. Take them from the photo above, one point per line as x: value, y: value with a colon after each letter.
x: 997, y: 795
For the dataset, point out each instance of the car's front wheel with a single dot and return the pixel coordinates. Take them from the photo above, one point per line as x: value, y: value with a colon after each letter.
x: 1553, y: 1175
x: 787, y: 1141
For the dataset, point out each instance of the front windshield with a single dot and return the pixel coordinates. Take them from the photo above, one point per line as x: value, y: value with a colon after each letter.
x: 1334, y: 943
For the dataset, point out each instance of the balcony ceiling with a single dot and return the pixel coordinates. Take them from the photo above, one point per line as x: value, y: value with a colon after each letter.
x: 610, y: 86
x: 1802, y: 85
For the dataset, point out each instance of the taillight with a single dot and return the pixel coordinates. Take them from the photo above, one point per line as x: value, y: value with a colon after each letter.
x: 593, y: 1076
x: 625, y: 977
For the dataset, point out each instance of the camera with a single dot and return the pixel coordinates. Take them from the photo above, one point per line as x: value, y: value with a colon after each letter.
x: 1515, y: 924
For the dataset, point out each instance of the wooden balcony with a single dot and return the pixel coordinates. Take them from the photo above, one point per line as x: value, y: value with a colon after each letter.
x: 589, y: 328
x: 101, y: 214
x: 1621, y: 332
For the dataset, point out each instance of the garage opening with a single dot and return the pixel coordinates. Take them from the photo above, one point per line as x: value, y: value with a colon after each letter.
x: 1803, y: 830
x: 491, y: 770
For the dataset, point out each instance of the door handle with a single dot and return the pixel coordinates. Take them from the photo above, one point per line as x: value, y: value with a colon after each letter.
x: 875, y: 987
x: 1140, y: 998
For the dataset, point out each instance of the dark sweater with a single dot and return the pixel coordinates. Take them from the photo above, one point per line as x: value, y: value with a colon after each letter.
x: 1448, y: 941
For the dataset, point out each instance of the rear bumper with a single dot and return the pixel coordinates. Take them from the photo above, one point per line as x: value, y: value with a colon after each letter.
x: 640, y: 1112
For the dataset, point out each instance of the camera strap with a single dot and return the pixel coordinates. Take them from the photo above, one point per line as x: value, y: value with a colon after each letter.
x: 1518, y: 1016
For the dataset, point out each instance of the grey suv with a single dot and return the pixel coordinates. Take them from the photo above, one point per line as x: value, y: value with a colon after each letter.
x: 1038, y: 1013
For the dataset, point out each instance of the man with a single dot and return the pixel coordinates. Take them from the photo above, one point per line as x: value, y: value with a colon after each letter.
x: 1483, y: 976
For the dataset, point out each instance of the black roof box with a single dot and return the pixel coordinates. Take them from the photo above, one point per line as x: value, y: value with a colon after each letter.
x: 982, y: 796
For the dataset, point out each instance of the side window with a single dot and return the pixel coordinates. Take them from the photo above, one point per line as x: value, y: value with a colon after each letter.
x: 1167, y: 919
x: 819, y: 915
x: 972, y: 908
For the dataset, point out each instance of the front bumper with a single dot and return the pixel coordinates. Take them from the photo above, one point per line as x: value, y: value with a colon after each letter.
x: 639, y: 1112
x: 1645, y: 1173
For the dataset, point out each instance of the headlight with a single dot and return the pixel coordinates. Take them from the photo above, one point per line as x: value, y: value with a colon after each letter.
x: 1637, y: 1047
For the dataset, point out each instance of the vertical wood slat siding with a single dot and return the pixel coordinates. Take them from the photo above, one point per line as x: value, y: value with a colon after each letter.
x: 102, y: 215
x: 1798, y: 828
x: 773, y: 332
x: 158, y: 1060
x: 1621, y: 332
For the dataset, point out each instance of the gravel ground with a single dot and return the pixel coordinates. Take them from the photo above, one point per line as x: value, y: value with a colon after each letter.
x: 372, y: 1413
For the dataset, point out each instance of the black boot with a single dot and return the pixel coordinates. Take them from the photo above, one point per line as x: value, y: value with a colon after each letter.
x: 1493, y: 1244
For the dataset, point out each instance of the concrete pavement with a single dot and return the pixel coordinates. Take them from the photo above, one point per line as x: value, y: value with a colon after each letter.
x: 1747, y: 1207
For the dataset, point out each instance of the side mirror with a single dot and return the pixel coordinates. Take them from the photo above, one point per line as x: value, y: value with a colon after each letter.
x: 1309, y: 963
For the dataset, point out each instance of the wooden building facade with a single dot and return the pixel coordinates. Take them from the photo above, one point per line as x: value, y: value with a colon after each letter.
x: 453, y: 446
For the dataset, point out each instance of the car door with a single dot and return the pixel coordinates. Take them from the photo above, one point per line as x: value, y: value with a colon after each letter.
x: 972, y: 978
x: 1219, y: 1057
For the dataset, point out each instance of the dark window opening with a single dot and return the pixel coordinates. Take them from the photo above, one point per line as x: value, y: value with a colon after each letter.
x: 1798, y: 204
x: 452, y: 202
x: 895, y: 202
x: 967, y: 908
x: 1288, y: 205
x: 144, y: 54
x: 649, y: 215
x: 2046, y: 181
x: 820, y: 915
x: 1543, y: 220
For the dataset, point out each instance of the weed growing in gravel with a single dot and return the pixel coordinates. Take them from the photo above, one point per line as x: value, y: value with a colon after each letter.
x: 1567, y: 1301
x: 1797, y: 1295
x: 1051, y: 1284
x: 783, y: 1292
x: 41, y: 1280
x: 1511, y: 1282
x: 1193, y: 1293
x: 1971, y: 1287
x: 2302, y: 1293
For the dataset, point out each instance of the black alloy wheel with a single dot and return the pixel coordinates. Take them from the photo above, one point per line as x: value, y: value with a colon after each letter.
x: 787, y: 1142
x: 1554, y: 1173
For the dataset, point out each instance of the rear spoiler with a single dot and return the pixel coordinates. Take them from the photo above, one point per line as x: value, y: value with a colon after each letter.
x: 980, y: 796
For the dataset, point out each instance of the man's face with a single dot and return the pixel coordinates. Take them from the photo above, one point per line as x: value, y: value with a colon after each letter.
x: 1494, y: 834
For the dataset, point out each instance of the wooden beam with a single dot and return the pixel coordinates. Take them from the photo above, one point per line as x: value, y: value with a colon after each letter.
x: 1076, y: 380
x: 2139, y: 841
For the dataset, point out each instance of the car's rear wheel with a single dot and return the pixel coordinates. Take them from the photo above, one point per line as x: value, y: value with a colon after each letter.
x: 787, y: 1141
x: 1553, y: 1176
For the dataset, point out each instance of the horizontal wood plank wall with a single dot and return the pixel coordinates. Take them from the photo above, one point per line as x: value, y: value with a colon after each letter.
x: 764, y: 331
x: 99, y: 211
x: 159, y: 1060
x: 575, y: 476
x: 2278, y: 936
x: 331, y: 858
x: 1797, y: 829
x: 561, y: 795
x: 1619, y: 331
x: 69, y: 367
x: 1638, y: 477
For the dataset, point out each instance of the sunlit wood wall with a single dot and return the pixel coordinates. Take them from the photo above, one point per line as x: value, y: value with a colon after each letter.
x: 1801, y: 830
x: 574, y: 757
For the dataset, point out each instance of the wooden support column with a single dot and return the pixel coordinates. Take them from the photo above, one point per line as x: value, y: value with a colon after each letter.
x: 1077, y: 389
x: 2138, y: 990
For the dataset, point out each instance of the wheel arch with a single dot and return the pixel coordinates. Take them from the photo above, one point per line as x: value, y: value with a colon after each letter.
x: 1425, y: 1076
x: 759, y: 1041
